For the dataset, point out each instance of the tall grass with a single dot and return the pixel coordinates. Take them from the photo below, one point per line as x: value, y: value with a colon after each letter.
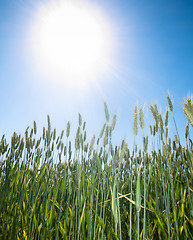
x: 53, y: 188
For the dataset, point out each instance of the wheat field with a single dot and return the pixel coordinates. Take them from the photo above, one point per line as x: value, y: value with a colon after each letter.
x: 54, y: 188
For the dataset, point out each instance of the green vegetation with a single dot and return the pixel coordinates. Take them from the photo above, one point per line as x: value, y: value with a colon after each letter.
x: 53, y: 188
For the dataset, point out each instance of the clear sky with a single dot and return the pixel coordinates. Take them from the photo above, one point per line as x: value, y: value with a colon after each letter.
x: 151, y: 54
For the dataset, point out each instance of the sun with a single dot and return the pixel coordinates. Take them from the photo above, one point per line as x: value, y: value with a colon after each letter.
x: 70, y: 41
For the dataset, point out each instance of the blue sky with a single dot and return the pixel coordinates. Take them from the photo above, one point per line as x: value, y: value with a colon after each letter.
x: 152, y: 55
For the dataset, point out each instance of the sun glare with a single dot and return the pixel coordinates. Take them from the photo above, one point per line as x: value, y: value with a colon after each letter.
x: 71, y: 41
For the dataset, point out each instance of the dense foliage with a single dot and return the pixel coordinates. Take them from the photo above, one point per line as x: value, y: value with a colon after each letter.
x: 53, y: 188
